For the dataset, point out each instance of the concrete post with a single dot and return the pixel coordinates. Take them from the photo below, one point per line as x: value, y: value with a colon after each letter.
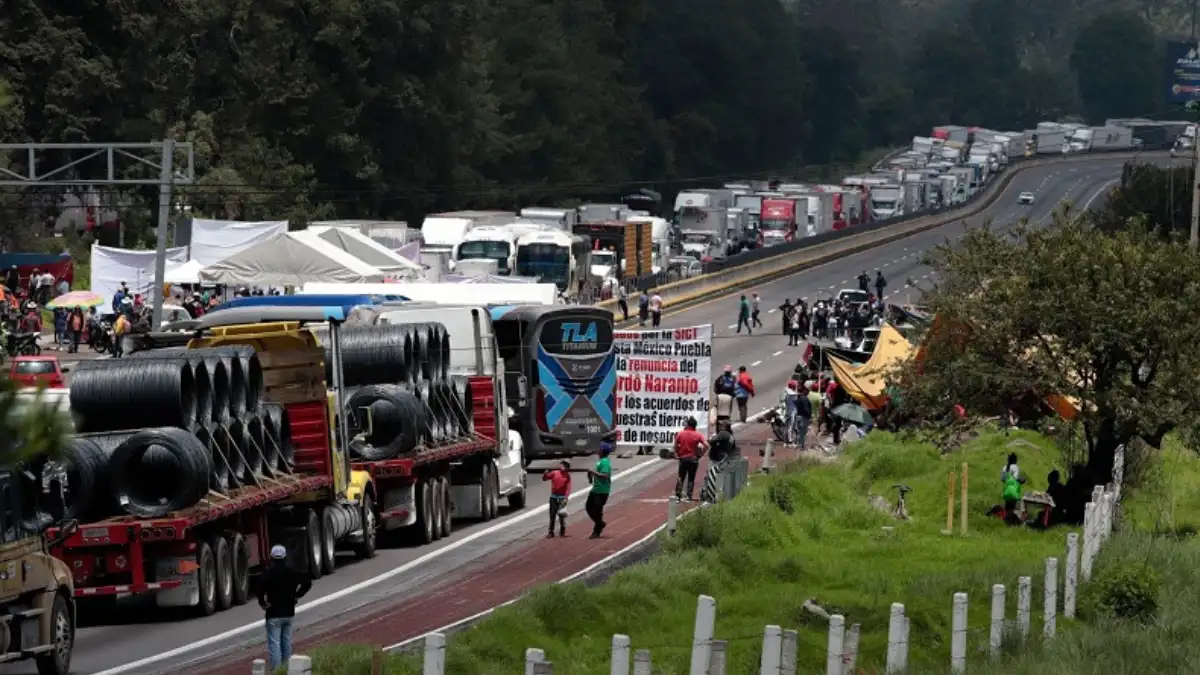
x: 1072, y: 576
x: 641, y: 663
x: 996, y: 634
x: 258, y: 667
x: 895, y: 639
x: 717, y: 661
x: 768, y: 462
x: 1089, y: 541
x: 789, y: 648
x: 672, y: 515
x: 904, y: 643
x: 435, y: 654
x: 1024, y: 602
x: 837, y: 644
x: 850, y: 650
x: 1050, y: 608
x: 702, y: 636
x: 299, y: 665
x: 543, y: 668
x: 533, y: 656
x: 772, y: 651
x: 958, y: 635
x: 620, y: 655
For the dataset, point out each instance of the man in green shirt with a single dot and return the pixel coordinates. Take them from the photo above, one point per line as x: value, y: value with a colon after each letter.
x: 601, y: 478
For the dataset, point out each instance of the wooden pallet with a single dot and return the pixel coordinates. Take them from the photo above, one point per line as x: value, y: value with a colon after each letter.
x: 293, y: 375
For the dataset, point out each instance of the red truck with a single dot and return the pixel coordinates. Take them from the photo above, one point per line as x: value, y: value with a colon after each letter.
x: 204, y: 556
x: 777, y: 223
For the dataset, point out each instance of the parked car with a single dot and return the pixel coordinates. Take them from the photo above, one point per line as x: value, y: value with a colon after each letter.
x: 35, y: 371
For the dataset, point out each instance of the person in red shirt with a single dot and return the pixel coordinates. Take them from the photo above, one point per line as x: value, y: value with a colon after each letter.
x: 560, y: 490
x: 745, y: 390
x: 689, y: 448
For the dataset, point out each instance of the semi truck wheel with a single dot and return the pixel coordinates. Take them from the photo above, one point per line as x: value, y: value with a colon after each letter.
x: 516, y: 500
x: 426, y: 511
x: 206, y: 579
x: 312, y: 534
x: 486, y: 507
x: 328, y: 543
x: 223, y: 566
x: 494, y: 490
x: 57, y: 661
x: 366, y: 548
x: 239, y: 554
x: 446, y: 523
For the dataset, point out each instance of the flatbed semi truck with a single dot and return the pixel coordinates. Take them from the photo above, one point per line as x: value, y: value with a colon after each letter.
x: 204, y: 556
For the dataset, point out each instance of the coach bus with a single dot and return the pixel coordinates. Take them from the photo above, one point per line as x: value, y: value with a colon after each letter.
x: 565, y: 356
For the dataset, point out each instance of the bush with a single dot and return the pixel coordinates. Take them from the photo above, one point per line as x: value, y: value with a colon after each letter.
x: 1122, y: 592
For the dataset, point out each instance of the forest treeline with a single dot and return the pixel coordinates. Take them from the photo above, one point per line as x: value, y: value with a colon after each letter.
x: 393, y: 108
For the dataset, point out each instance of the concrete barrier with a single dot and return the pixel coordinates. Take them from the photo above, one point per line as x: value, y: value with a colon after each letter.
x: 854, y: 240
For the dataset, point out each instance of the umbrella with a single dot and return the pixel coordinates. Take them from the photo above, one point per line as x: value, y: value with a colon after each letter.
x: 855, y: 414
x: 76, y: 299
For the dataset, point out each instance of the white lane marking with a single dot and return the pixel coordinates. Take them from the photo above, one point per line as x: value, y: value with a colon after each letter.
x: 772, y: 311
x: 732, y: 326
x: 367, y: 583
x: 777, y: 353
x: 756, y: 364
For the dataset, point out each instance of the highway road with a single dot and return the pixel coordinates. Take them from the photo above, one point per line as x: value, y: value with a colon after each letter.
x: 154, y: 645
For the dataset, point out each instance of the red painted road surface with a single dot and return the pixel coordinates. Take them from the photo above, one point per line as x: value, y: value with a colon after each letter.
x: 500, y: 577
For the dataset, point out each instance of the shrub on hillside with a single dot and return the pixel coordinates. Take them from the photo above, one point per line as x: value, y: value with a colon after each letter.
x: 1122, y: 592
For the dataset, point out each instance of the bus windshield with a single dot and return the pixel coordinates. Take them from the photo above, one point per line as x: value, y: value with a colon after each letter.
x: 485, y: 250
x: 548, y: 262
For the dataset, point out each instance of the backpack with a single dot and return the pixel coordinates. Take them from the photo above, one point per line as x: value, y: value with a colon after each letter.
x: 1012, y: 489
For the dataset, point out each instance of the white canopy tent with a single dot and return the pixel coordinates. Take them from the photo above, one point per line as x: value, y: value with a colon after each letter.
x: 184, y: 273
x: 291, y: 259
x: 216, y: 240
x: 111, y: 266
x: 447, y: 294
x: 367, y: 250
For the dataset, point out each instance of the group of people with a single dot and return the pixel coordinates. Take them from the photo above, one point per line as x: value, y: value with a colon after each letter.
x: 829, y: 319
x: 599, y: 476
x: 808, y: 401
x: 649, y: 307
x: 1067, y: 500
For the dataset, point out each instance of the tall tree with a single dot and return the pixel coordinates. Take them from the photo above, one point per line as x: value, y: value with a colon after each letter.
x: 1117, y: 66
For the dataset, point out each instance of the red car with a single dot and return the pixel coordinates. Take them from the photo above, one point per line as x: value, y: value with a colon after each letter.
x: 32, y: 371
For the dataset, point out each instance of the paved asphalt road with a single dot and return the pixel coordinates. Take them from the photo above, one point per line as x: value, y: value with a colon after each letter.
x: 170, y: 644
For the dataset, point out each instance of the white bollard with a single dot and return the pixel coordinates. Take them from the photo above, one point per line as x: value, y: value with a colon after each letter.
x: 717, y: 658
x: 672, y: 515
x: 543, y: 668
x: 895, y: 639
x: 620, y: 655
x: 772, y: 650
x: 1118, y: 474
x: 1110, y: 508
x: 435, y: 654
x: 837, y: 644
x: 996, y: 634
x: 788, y: 649
x: 299, y: 665
x: 258, y: 667
x: 1072, y: 575
x: 1089, y: 542
x: 958, y: 635
x: 641, y: 663
x: 850, y: 650
x: 702, y: 636
x: 1024, y: 602
x: 904, y: 627
x: 768, y: 462
x: 1050, y: 608
x: 532, y: 657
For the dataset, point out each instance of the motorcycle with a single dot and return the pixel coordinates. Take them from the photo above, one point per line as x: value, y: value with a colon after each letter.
x: 777, y: 418
x: 22, y: 344
x: 102, y: 340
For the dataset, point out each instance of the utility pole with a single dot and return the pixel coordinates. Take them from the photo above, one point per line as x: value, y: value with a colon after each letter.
x: 87, y: 164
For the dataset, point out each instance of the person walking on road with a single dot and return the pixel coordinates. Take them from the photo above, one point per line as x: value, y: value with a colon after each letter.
x: 880, y: 284
x: 796, y: 327
x: 623, y: 302
x: 278, y: 590
x: 656, y: 309
x: 722, y: 450
x: 689, y: 448
x: 864, y: 282
x: 744, y: 391
x: 744, y: 315
x: 755, y: 303
x: 601, y: 479
x: 560, y: 491
x: 643, y: 308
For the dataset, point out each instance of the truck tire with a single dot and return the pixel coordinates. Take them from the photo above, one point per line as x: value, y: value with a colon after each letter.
x: 494, y: 490
x: 446, y: 522
x: 516, y: 500
x: 239, y: 554
x: 424, y: 529
x: 366, y: 548
x: 57, y: 661
x: 486, y: 503
x: 223, y: 566
x: 328, y: 543
x: 312, y: 535
x: 206, y: 579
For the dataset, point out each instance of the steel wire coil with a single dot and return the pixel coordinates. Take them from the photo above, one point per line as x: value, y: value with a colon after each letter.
x: 150, y: 484
x: 263, y: 444
x: 279, y: 428
x: 381, y: 354
x: 397, y: 422
x: 86, y: 463
x: 219, y: 477
x: 218, y: 374
x: 237, y: 434
x: 466, y: 404
x: 133, y: 394
x: 251, y: 372
x: 225, y: 450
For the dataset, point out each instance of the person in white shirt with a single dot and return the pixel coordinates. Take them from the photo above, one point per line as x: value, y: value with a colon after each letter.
x: 656, y: 309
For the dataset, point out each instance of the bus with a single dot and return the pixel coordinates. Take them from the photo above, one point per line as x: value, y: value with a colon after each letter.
x: 564, y: 398
x: 559, y: 258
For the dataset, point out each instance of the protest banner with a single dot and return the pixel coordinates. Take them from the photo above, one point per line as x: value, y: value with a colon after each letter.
x: 663, y: 378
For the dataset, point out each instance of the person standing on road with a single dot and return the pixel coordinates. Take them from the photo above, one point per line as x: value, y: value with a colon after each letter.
x: 278, y: 590
x: 560, y: 491
x: 744, y: 391
x: 656, y: 309
x: 785, y: 312
x: 689, y: 448
x: 796, y: 327
x: 880, y: 284
x: 755, y: 302
x: 864, y: 282
x: 722, y: 450
x: 601, y: 479
x: 643, y: 308
x: 623, y: 302
x: 744, y: 315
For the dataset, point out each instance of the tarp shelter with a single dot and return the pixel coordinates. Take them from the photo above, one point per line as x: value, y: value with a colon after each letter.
x: 291, y: 259
x: 216, y: 240
x: 111, y: 266
x: 58, y: 264
x: 448, y: 294
x: 367, y: 250
x: 184, y: 273
x: 865, y: 383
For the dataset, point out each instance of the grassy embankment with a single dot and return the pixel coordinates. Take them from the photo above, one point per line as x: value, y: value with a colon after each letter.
x: 811, y: 533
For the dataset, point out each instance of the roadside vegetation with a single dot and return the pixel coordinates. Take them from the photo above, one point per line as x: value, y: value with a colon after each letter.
x: 813, y: 533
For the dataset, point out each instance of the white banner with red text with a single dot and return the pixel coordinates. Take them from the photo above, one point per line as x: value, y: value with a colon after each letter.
x: 663, y: 378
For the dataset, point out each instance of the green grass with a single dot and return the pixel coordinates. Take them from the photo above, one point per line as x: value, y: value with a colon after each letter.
x: 761, y: 563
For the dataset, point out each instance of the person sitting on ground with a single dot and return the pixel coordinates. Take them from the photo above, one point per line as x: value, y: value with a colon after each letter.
x: 1058, y: 492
